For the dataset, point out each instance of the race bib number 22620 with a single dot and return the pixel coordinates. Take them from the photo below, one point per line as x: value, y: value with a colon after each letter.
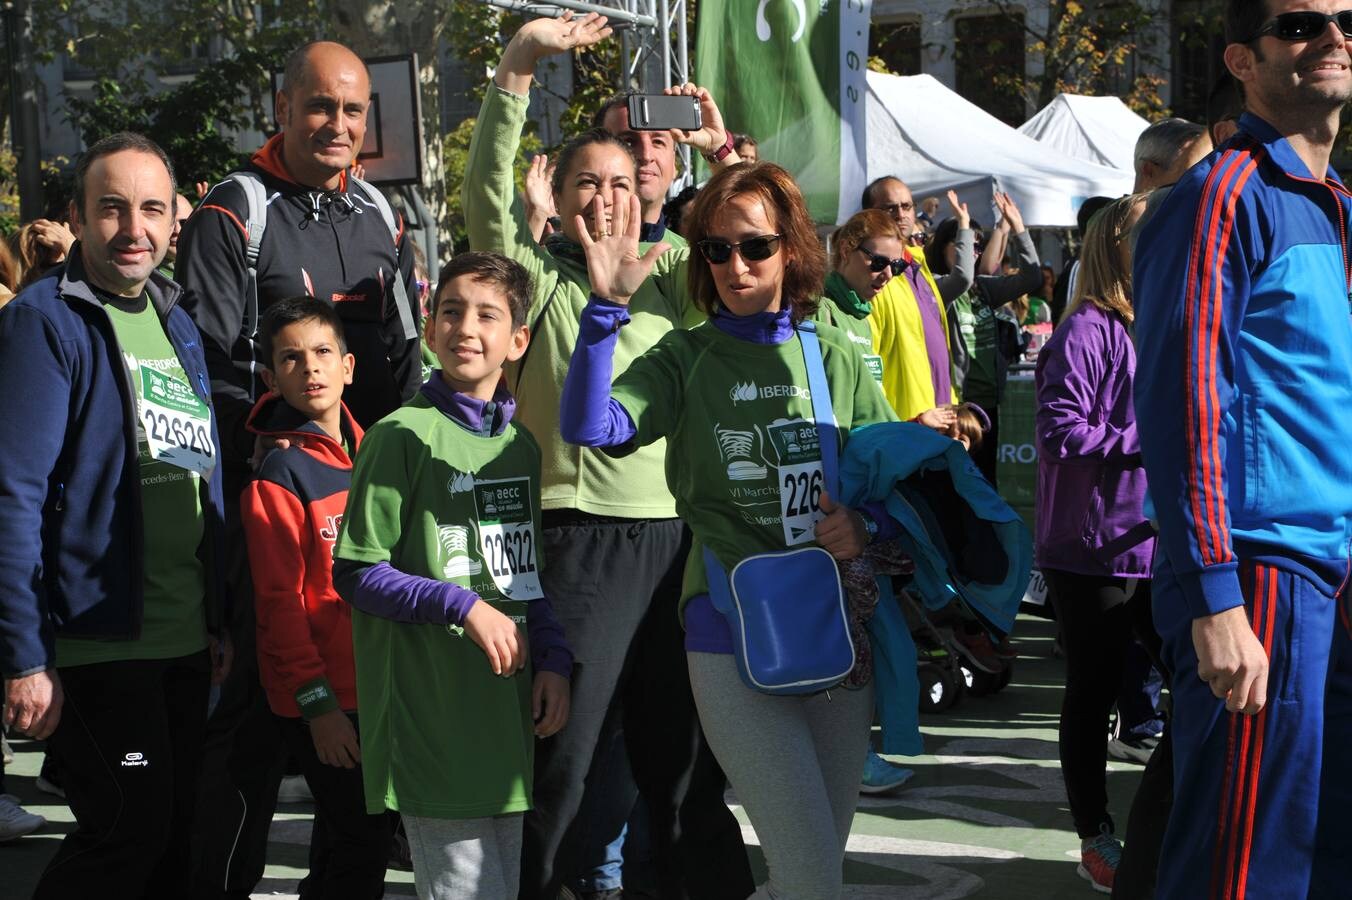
x: 177, y: 423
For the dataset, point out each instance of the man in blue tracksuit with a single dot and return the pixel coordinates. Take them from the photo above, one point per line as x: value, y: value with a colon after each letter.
x: 110, y: 528
x: 1244, y: 338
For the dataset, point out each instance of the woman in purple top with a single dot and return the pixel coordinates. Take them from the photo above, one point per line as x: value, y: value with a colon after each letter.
x: 1094, y: 543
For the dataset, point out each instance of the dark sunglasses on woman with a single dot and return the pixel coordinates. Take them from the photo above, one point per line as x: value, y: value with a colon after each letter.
x: 877, y: 262
x: 1304, y: 25
x: 718, y: 251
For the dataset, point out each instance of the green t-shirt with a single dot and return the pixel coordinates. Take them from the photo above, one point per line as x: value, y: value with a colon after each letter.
x: 441, y: 735
x: 743, y: 460
x: 174, y: 435
x: 976, y: 322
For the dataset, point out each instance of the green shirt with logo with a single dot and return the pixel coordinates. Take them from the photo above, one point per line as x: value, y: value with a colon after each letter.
x: 441, y: 735
x: 976, y: 322
x: 176, y: 451
x: 743, y: 459
x: 842, y: 308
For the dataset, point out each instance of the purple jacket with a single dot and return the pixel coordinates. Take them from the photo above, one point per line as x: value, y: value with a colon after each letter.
x: 1090, y: 480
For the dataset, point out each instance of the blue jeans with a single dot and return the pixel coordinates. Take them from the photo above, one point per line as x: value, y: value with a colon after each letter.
x: 614, y: 813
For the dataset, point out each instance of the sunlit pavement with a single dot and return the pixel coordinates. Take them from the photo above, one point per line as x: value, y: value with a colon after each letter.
x: 985, y: 815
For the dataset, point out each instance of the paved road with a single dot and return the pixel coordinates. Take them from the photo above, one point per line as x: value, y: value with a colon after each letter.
x: 985, y: 816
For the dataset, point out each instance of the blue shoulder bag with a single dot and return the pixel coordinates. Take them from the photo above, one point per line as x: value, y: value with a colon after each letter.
x: 788, y: 612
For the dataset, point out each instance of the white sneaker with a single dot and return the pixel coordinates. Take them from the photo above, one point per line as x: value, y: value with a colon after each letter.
x: 15, y: 821
x: 294, y: 789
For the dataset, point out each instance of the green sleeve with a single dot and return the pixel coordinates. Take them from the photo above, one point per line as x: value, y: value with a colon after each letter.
x: 494, y: 215
x: 671, y: 275
x: 376, y: 512
x: 652, y: 391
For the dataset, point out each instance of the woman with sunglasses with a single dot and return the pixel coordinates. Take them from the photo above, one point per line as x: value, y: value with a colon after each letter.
x: 991, y: 338
x: 866, y: 252
x: 613, y: 542
x: 728, y: 398
x: 1094, y: 544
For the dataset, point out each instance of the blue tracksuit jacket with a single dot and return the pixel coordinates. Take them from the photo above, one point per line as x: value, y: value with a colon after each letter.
x: 1244, y: 373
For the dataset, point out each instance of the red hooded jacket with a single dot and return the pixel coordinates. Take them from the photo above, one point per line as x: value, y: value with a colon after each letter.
x: 292, y: 511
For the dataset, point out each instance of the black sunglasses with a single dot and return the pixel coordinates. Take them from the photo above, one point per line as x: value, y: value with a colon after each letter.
x: 1304, y: 25
x: 718, y: 251
x: 877, y: 262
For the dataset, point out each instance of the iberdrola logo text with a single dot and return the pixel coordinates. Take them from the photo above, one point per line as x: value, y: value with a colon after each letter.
x: 461, y: 483
x: 744, y: 391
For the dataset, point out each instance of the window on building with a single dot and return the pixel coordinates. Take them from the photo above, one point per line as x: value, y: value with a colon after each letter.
x: 989, y: 55
x: 897, y: 44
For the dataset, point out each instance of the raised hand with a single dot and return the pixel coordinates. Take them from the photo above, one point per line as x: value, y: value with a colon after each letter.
x: 614, y: 266
x: 1009, y: 210
x: 537, y: 195
x: 540, y: 38
x: 959, y: 210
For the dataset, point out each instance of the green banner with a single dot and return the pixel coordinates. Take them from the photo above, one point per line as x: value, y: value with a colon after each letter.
x: 790, y: 73
x: 1016, y: 457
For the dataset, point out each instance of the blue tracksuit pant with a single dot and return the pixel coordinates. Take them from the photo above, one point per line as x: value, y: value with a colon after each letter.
x: 1262, y: 803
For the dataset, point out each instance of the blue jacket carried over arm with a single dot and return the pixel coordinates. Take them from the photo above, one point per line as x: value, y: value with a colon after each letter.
x: 1244, y: 351
x: 71, y: 555
x: 891, y: 462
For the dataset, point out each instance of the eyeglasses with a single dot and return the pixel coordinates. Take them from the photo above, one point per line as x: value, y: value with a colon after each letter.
x: 877, y: 262
x: 718, y: 251
x: 893, y: 208
x: 421, y: 286
x: 1304, y: 25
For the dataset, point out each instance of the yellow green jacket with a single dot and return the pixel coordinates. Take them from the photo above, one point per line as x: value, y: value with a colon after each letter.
x: 632, y: 487
x: 899, y: 338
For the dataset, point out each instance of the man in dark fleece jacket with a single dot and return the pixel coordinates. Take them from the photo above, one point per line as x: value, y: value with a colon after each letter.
x: 325, y: 237
x: 110, y: 515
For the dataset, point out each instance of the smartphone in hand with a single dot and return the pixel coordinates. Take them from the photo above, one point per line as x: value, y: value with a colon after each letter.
x: 661, y: 112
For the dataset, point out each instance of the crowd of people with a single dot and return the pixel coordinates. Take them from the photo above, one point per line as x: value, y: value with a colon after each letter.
x: 493, y: 564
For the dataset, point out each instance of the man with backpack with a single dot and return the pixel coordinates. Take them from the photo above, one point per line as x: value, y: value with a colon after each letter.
x: 294, y: 221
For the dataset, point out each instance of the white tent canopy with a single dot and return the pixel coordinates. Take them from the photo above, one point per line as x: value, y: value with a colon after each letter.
x: 1100, y: 130
x: 934, y: 140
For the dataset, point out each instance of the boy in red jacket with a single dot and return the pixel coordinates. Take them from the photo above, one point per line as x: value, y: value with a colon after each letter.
x: 291, y: 512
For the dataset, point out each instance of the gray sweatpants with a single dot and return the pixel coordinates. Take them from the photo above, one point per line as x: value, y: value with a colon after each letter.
x: 458, y: 858
x: 795, y: 764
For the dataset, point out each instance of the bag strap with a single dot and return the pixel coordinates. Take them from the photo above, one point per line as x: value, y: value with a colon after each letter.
x: 822, y: 410
x: 255, y: 223
x: 401, y: 301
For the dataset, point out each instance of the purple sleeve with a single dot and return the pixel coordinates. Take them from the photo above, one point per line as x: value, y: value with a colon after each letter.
x: 876, y: 510
x: 549, y: 650
x: 588, y: 416
x: 1072, y: 372
x: 382, y: 590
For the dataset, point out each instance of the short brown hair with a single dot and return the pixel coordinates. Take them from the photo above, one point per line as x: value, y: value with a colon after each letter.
x: 865, y: 224
x: 805, y: 260
x: 504, y: 273
x: 972, y: 424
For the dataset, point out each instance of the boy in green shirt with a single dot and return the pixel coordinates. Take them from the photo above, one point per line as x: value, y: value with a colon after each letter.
x: 439, y: 556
